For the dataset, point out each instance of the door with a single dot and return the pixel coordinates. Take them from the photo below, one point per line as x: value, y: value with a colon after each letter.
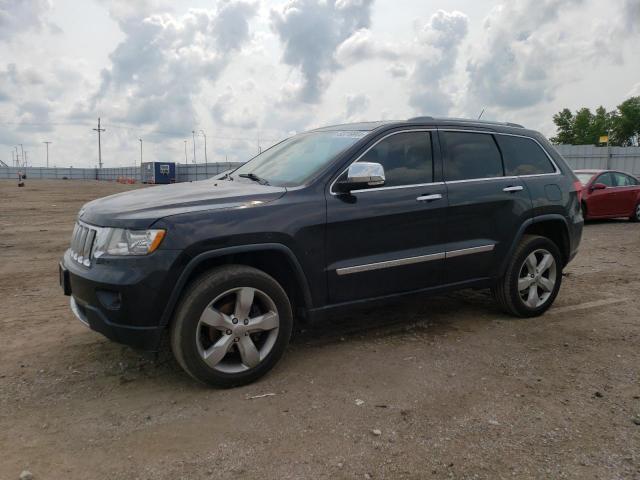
x: 389, y: 239
x: 486, y: 208
x: 605, y: 202
x: 627, y: 193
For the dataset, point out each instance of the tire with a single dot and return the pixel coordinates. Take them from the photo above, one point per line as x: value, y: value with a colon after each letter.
x: 635, y: 216
x: 523, y: 303
x: 212, y: 345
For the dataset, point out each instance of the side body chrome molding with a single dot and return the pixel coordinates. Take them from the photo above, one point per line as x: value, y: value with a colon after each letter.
x: 411, y: 260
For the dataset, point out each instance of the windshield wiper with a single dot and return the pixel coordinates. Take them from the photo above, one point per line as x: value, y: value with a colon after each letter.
x: 255, y: 178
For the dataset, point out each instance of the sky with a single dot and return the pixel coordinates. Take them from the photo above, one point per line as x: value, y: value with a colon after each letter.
x: 248, y: 73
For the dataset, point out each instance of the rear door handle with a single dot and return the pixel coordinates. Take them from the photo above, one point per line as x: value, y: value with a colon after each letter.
x: 429, y: 198
x: 516, y: 188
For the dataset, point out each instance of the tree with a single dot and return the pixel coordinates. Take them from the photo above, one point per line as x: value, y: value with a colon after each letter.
x: 584, y: 128
x: 625, y: 125
x: 564, y: 121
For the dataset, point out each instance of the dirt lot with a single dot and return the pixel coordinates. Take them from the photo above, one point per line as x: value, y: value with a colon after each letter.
x: 455, y: 388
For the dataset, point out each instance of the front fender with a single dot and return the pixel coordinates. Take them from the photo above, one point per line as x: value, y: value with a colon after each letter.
x: 220, y: 252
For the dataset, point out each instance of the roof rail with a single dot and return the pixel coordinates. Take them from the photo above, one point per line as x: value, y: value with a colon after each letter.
x: 420, y: 119
x: 468, y: 120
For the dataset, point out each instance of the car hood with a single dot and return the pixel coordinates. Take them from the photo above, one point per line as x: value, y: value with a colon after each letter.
x: 141, y: 208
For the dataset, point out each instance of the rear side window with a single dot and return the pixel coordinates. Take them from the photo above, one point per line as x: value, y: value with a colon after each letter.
x: 471, y: 155
x: 523, y: 156
x: 407, y: 158
x: 623, y: 180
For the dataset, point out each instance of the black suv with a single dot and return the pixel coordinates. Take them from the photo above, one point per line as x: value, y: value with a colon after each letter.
x: 328, y: 219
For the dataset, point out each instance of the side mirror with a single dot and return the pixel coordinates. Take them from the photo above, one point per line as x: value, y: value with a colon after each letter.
x: 362, y: 175
x: 598, y: 186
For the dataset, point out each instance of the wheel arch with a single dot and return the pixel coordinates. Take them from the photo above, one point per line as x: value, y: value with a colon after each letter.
x: 274, y: 259
x: 552, y: 226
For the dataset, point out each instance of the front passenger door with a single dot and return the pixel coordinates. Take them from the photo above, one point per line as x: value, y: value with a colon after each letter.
x: 388, y: 239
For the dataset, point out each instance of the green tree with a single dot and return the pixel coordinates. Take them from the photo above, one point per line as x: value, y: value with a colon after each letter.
x: 582, y: 127
x: 600, y: 124
x: 585, y: 128
x: 564, y: 122
x: 625, y: 124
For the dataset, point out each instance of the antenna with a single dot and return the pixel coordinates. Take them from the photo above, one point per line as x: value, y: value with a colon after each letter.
x: 481, y: 113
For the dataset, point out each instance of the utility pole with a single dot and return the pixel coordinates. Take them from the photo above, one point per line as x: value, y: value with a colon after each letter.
x: 185, y: 152
x: 99, y: 130
x: 47, y: 144
x: 193, y: 132
x: 205, y: 145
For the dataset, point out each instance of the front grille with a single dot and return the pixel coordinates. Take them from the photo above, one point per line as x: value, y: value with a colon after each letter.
x: 81, y: 244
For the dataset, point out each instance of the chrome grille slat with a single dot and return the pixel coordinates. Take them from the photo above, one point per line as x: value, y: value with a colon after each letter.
x: 82, y: 240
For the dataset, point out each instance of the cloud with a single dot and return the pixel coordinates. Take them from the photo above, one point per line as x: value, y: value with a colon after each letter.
x: 362, y: 45
x: 356, y: 106
x: 159, y: 68
x: 229, y: 111
x: 20, y: 16
x: 311, y: 31
x: 513, y: 68
x: 438, y: 44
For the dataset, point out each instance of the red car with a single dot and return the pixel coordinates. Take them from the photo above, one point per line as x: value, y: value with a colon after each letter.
x: 609, y: 194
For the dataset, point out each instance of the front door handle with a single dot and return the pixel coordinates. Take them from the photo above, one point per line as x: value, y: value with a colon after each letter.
x: 517, y: 188
x: 429, y: 198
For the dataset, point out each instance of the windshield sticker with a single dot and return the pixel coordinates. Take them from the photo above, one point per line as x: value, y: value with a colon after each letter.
x: 350, y: 134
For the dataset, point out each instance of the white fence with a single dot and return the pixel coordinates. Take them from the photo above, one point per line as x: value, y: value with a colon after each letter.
x: 626, y: 159
x: 184, y: 173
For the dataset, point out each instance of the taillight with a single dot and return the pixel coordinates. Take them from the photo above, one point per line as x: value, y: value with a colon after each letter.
x: 577, y: 185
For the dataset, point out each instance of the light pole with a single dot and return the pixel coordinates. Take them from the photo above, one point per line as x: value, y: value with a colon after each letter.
x: 185, y: 151
x: 140, y: 152
x: 47, y: 144
x: 193, y: 132
x: 206, y: 164
x: 17, y: 157
x: 22, y: 150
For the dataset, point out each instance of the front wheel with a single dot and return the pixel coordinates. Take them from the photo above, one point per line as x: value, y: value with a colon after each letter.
x: 231, y: 327
x: 532, y: 279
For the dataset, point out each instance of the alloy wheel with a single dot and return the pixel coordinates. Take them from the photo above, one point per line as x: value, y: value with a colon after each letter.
x: 237, y: 330
x: 537, y: 278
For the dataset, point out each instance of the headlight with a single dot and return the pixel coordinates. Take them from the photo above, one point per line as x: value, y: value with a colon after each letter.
x: 120, y: 241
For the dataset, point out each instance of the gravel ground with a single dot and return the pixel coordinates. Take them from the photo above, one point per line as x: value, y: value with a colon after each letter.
x: 444, y: 387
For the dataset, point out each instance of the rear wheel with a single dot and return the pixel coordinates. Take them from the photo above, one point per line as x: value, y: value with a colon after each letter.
x: 532, y: 279
x: 232, y: 326
x: 635, y: 217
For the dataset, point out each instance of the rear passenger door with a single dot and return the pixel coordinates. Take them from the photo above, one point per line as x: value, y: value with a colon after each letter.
x: 486, y: 208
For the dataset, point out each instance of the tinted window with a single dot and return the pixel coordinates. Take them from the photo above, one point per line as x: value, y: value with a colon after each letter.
x: 523, y: 156
x: 406, y: 157
x: 606, y: 179
x: 622, y: 180
x: 471, y: 155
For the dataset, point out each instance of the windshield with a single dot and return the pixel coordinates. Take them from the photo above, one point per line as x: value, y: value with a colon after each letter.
x: 295, y: 160
x: 584, y: 177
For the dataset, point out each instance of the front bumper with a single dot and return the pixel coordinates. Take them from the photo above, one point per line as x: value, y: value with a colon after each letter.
x: 123, y: 299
